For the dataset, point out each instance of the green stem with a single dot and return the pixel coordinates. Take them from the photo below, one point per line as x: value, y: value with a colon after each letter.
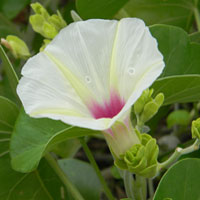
x: 10, y: 72
x: 96, y: 168
x: 128, y: 184
x: 178, y: 152
x: 140, y: 188
x: 197, y: 17
x: 144, y: 188
x: 151, y: 188
x: 69, y: 186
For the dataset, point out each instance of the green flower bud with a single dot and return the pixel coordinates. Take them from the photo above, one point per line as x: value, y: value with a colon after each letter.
x: 196, y: 128
x: 144, y: 98
x: 49, y: 31
x: 57, y: 21
x: 152, y: 107
x: 40, y: 25
x: 48, y: 26
x: 141, y: 158
x: 40, y: 10
x: 17, y: 46
x: 146, y: 106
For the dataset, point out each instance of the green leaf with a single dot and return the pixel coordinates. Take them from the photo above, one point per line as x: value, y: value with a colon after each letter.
x: 181, y: 181
x: 8, y: 115
x: 10, y: 8
x: 33, y: 137
x: 42, y: 184
x: 10, y: 72
x: 105, y: 9
x: 178, y: 89
x: 180, y: 55
x: 67, y: 148
x: 83, y: 177
x: 173, y: 12
x: 178, y: 117
x: 180, y: 78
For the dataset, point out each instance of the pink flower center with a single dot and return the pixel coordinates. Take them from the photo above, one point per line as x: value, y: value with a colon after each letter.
x: 109, y: 108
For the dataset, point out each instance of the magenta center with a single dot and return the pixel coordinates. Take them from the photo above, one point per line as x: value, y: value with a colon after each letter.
x: 109, y: 108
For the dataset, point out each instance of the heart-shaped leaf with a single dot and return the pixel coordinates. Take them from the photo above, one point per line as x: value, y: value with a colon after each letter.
x: 180, y: 79
x: 89, y: 186
x: 181, y: 181
x: 33, y: 137
x: 105, y: 9
x: 172, y: 12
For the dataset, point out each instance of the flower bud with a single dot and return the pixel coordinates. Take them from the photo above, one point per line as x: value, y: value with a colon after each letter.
x: 141, y: 158
x: 57, y: 21
x: 146, y: 107
x: 40, y: 25
x: 17, y: 46
x: 48, y: 26
x: 144, y: 98
x: 196, y: 128
x: 40, y: 10
x: 152, y: 107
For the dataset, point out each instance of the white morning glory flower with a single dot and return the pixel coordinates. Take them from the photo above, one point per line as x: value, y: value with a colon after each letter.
x: 91, y: 73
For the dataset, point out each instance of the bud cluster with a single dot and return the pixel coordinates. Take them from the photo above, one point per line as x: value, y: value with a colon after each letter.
x: 44, y: 23
x: 141, y: 158
x: 147, y: 106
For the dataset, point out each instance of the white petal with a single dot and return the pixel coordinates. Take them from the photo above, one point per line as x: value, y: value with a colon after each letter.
x: 135, y: 57
x: 136, y: 61
x: 85, y: 48
x: 44, y: 89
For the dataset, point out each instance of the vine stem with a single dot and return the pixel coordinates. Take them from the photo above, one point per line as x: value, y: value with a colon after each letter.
x: 69, y: 186
x: 96, y: 168
x: 177, y: 153
x: 128, y: 184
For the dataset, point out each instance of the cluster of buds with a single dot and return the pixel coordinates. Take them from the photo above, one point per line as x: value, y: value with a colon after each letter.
x: 44, y: 23
x: 147, y: 106
x: 141, y: 158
